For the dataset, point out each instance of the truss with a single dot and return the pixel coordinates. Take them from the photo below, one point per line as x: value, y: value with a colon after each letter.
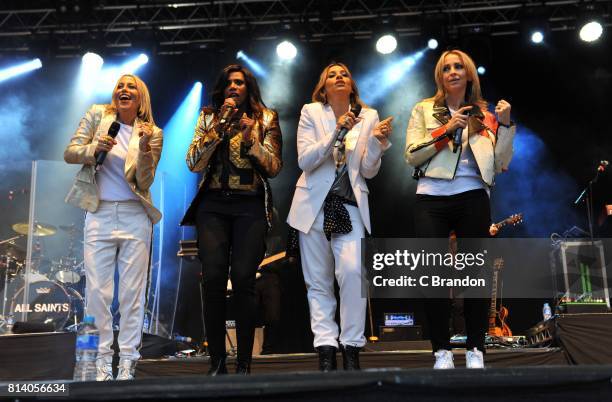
x: 175, y: 28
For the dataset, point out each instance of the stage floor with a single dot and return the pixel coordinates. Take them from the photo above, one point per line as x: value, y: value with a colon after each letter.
x: 400, y: 359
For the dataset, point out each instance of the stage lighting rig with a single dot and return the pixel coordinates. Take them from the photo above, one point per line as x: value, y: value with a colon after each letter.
x: 286, y: 50
x: 589, y: 23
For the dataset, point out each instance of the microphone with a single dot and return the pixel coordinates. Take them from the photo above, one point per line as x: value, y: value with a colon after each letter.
x: 458, y: 134
x: 112, y: 132
x: 603, y: 165
x: 227, y: 113
x: 343, y: 131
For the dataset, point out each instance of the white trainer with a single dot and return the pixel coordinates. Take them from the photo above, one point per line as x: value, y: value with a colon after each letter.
x: 104, y: 370
x: 126, y: 369
x: 474, y: 359
x: 444, y: 360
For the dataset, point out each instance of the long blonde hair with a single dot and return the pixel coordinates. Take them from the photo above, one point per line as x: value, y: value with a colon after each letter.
x: 475, y: 95
x: 318, y: 94
x: 145, y: 112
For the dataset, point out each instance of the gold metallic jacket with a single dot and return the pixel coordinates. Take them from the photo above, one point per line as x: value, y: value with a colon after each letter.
x: 139, y: 166
x: 265, y: 154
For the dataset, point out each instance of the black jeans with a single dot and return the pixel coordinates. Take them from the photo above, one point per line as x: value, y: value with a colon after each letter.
x: 469, y: 215
x: 231, y: 233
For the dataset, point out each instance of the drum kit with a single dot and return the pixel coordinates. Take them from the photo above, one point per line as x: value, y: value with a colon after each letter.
x: 51, y: 293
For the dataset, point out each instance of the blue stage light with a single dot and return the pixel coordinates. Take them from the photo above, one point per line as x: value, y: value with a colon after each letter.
x: 19, y: 69
x: 257, y: 68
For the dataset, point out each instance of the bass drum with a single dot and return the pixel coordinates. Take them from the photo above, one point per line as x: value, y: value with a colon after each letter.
x: 47, y: 303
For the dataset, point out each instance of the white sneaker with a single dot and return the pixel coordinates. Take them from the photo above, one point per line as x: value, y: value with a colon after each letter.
x: 474, y: 359
x: 126, y: 369
x: 104, y: 370
x: 444, y: 359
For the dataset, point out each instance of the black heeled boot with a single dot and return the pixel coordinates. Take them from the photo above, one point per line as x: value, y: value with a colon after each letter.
x: 217, y: 366
x: 350, y: 357
x: 243, y: 367
x: 327, y: 358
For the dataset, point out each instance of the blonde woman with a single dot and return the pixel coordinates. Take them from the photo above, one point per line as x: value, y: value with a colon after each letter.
x: 120, y: 214
x: 330, y: 209
x: 455, y: 177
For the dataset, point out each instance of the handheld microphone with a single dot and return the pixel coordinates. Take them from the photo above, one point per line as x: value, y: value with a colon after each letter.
x: 343, y: 131
x: 112, y: 132
x: 459, y: 133
x: 227, y: 113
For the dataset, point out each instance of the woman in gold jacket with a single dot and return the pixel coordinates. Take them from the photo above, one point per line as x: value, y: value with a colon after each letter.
x: 237, y: 145
x: 120, y: 214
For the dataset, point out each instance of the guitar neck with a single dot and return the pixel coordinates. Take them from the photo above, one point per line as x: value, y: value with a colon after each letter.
x: 493, y: 308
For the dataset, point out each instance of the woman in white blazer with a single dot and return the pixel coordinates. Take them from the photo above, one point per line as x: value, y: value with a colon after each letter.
x: 330, y: 209
x: 120, y: 214
x: 455, y: 176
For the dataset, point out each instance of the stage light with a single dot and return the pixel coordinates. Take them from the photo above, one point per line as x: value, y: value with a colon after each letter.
x: 92, y: 61
x: 286, y: 50
x: 19, y: 69
x: 481, y: 70
x: 432, y: 44
x: 591, y: 31
x: 386, y: 44
x: 132, y: 65
x: 376, y: 84
x: 537, y: 37
x: 252, y: 64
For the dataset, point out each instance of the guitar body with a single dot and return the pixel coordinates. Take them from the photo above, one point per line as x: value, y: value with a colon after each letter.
x: 497, y: 324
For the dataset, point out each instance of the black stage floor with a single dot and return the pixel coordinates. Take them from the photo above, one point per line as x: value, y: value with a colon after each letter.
x: 545, y: 383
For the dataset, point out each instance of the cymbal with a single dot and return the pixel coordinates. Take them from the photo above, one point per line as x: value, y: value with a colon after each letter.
x: 40, y: 229
x: 12, y: 250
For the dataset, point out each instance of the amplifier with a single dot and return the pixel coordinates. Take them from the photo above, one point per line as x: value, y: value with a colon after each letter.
x: 582, y: 307
x: 393, y: 334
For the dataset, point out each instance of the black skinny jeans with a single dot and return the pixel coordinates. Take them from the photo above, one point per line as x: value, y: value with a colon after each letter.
x: 469, y: 215
x: 231, y: 233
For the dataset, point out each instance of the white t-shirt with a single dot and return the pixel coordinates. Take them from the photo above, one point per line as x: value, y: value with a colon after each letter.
x: 111, y: 176
x: 466, y: 178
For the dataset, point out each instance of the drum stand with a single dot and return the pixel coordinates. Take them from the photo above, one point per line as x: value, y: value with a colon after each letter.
x: 3, y: 320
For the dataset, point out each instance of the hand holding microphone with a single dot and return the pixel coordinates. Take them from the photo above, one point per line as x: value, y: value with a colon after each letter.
x: 456, y: 124
x: 346, y: 122
x: 227, y: 111
x: 106, y: 143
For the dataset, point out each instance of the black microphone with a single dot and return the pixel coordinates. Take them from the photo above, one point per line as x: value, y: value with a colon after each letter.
x: 459, y: 133
x: 343, y: 131
x: 112, y: 132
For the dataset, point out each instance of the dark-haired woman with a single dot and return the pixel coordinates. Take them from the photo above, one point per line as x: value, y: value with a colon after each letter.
x: 237, y: 146
x: 454, y: 184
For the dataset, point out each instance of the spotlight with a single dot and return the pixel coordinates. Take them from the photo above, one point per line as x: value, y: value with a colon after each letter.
x: 432, y: 44
x: 11, y: 72
x: 386, y: 44
x: 537, y: 37
x: 481, y: 70
x: 197, y: 86
x: 253, y: 65
x: 286, y: 50
x: 591, y: 31
x: 92, y: 61
x: 132, y: 65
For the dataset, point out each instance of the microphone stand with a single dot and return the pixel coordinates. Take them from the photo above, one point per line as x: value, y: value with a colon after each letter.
x: 587, y: 196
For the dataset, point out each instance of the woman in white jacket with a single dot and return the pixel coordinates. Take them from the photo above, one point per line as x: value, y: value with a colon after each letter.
x: 455, y: 175
x: 330, y: 209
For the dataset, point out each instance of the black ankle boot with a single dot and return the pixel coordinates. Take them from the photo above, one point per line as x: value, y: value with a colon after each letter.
x: 350, y: 357
x: 217, y: 366
x: 327, y: 358
x: 243, y: 367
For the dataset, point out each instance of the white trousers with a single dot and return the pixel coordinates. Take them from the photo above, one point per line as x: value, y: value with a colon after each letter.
x: 321, y: 260
x: 118, y: 235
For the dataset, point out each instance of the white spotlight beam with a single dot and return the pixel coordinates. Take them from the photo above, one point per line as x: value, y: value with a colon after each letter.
x: 19, y: 69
